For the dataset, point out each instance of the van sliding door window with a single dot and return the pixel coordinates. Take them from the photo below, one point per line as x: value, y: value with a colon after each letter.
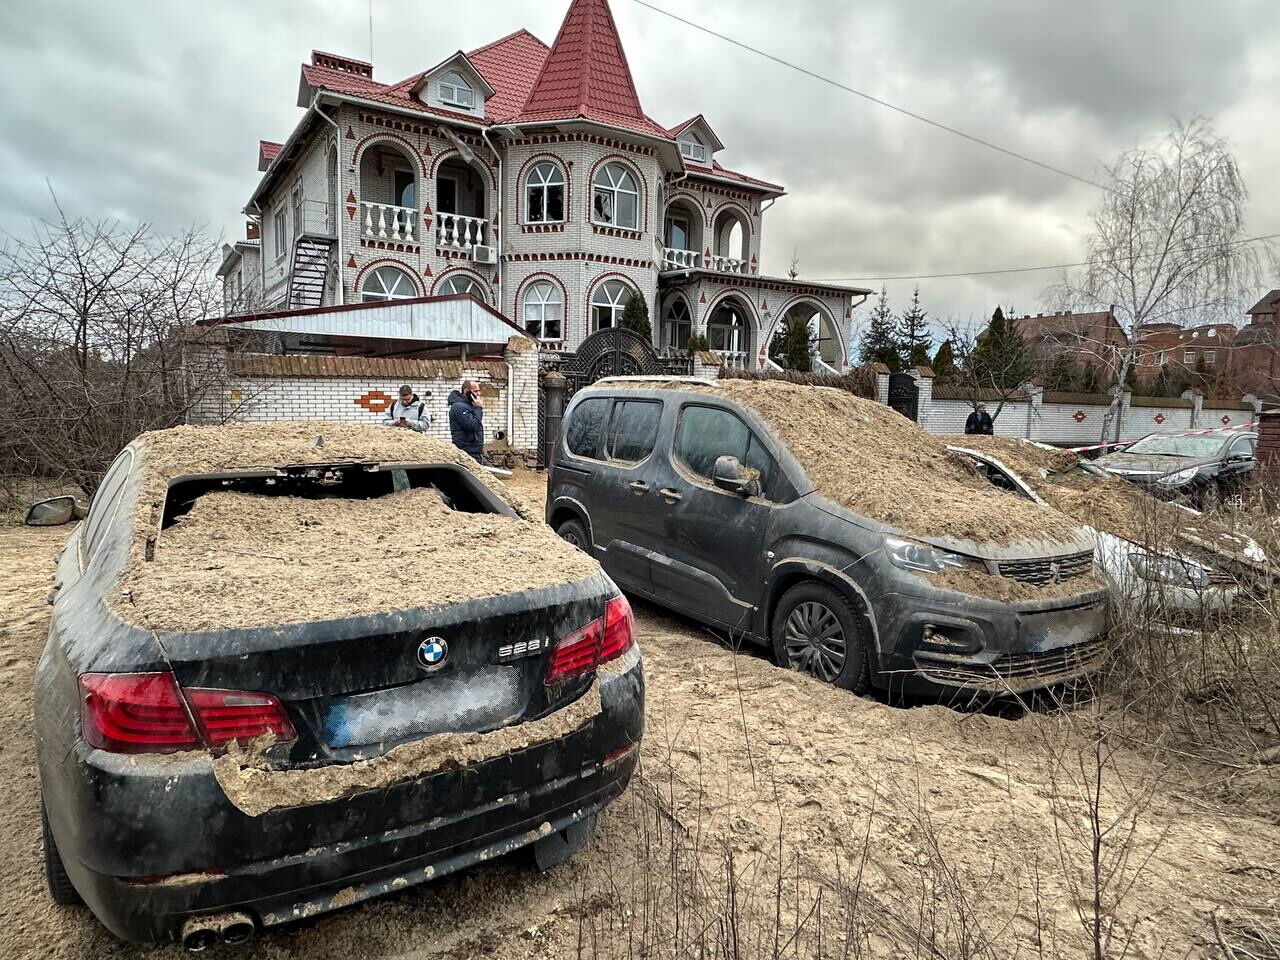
x: 633, y: 429
x: 586, y: 424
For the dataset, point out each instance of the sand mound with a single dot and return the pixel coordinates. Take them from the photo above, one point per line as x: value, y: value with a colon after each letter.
x: 1106, y: 503
x: 239, y: 560
x: 865, y: 456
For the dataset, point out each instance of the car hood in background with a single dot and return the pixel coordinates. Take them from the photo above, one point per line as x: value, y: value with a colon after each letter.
x: 1148, y: 463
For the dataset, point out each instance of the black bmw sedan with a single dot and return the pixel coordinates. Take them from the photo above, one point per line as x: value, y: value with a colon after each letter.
x: 299, y: 665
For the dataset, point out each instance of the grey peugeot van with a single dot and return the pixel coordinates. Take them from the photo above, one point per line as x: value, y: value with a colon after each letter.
x: 690, y: 498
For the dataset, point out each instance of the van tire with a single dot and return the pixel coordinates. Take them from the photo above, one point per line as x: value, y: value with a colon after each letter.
x: 812, y: 602
x: 574, y: 533
x: 55, y: 875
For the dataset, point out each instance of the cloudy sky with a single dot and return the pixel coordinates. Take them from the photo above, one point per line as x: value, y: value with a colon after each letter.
x: 152, y: 110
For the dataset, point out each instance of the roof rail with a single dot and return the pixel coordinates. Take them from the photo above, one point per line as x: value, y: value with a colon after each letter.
x: 695, y: 381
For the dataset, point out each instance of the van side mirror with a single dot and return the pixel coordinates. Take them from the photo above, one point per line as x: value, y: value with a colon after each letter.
x: 53, y: 512
x: 729, y: 474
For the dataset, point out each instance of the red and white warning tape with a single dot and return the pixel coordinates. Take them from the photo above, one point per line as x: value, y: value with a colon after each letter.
x: 1189, y: 433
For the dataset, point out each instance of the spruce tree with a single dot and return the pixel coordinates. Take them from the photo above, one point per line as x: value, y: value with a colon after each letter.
x: 944, y: 362
x: 999, y: 358
x: 635, y: 316
x: 1061, y: 374
x: 880, y: 342
x: 914, y: 339
x: 797, y: 345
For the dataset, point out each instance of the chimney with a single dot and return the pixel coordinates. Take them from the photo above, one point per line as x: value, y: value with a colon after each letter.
x: 251, y: 230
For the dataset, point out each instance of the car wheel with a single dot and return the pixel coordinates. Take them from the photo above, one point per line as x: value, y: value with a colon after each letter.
x: 574, y: 533
x: 55, y: 876
x: 816, y: 631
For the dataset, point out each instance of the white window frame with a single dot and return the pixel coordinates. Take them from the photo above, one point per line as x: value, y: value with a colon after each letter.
x: 295, y: 198
x: 612, y: 295
x: 452, y: 87
x: 542, y: 296
x: 387, y: 293
x: 1188, y: 356
x: 692, y: 148
x: 1209, y: 357
x: 280, y: 232
x: 611, y: 180
x: 473, y: 287
x: 544, y: 183
x: 670, y: 322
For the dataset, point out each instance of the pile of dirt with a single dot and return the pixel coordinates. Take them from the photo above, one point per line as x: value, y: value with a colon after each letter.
x: 241, y: 560
x: 865, y: 456
x: 256, y: 789
x: 1106, y: 503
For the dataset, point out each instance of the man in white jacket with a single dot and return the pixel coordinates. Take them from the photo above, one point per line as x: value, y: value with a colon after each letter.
x: 409, y: 412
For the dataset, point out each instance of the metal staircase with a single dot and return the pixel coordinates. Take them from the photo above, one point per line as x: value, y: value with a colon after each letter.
x: 309, y: 271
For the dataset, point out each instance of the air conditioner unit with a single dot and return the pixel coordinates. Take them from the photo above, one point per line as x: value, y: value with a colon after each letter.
x: 481, y: 254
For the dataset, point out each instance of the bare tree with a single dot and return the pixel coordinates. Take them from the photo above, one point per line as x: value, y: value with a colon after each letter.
x: 1168, y: 239
x: 991, y: 366
x: 96, y: 342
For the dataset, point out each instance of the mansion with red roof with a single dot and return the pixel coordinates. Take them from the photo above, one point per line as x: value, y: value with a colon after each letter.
x: 526, y: 177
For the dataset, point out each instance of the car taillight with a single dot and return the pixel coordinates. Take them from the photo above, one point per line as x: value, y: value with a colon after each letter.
x: 619, y: 629
x: 148, y: 713
x: 603, y: 639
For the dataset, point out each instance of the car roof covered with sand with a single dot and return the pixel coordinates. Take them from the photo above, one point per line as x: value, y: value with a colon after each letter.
x: 250, y: 525
x: 871, y: 463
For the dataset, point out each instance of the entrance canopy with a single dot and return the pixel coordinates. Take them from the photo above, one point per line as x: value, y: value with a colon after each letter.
x: 458, y: 319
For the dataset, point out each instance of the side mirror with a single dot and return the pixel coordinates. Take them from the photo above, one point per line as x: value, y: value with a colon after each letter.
x: 729, y: 474
x: 53, y: 512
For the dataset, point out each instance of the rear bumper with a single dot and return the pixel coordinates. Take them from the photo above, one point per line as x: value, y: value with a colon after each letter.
x: 333, y: 876
x: 149, y: 843
x: 1006, y: 648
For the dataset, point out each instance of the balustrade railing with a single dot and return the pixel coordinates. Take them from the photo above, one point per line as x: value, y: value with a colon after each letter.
x: 727, y: 265
x: 458, y: 232
x: 673, y: 259
x: 383, y: 221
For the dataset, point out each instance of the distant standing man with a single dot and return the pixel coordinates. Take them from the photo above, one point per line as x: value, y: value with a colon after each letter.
x: 466, y: 419
x: 980, y: 422
x: 409, y: 412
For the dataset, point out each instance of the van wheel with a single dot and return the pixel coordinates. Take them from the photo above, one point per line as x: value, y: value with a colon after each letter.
x: 1210, y: 498
x: 55, y: 876
x: 574, y: 533
x: 816, y: 631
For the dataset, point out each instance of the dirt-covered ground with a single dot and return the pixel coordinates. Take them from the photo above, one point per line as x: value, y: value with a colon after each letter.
x: 773, y: 816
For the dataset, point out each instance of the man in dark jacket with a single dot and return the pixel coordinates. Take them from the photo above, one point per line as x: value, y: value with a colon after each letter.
x: 980, y: 422
x: 466, y: 419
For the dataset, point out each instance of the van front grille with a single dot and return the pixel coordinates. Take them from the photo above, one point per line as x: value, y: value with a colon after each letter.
x: 1052, y: 570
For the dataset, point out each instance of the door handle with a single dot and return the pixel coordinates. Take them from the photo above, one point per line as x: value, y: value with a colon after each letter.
x: 639, y: 486
x: 670, y: 494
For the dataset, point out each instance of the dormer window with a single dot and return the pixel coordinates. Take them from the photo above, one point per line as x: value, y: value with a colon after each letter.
x: 692, y: 148
x: 456, y: 92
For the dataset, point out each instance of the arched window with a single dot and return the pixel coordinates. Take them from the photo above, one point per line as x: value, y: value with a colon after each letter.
x: 456, y: 91
x: 544, y: 194
x: 729, y: 335
x: 607, y: 304
x: 616, y: 200
x: 543, y: 310
x: 461, y: 283
x: 387, y: 283
x: 677, y: 325
x: 692, y: 148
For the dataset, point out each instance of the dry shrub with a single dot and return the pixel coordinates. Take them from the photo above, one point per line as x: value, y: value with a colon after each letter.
x: 860, y: 381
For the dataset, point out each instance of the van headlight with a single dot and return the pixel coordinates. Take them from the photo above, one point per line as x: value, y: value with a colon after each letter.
x: 1179, y: 478
x: 922, y: 558
x: 1170, y: 570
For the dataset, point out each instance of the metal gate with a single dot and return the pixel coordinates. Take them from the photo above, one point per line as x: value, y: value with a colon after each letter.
x: 904, y: 395
x: 617, y: 352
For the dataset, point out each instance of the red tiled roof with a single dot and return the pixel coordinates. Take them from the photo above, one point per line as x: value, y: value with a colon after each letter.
x: 511, y: 66
x: 396, y: 95
x: 269, y: 148
x: 585, y: 75
x: 724, y: 173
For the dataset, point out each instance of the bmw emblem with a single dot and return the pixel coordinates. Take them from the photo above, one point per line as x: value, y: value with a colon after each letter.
x: 432, y: 653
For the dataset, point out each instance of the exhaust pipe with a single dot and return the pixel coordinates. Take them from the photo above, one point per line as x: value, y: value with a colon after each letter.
x: 201, y: 933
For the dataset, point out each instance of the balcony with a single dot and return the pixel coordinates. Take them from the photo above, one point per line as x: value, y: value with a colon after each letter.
x: 456, y: 232
x: 673, y: 259
x: 382, y: 221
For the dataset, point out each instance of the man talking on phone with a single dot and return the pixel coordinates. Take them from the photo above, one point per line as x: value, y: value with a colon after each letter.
x: 409, y: 412
x: 466, y: 419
